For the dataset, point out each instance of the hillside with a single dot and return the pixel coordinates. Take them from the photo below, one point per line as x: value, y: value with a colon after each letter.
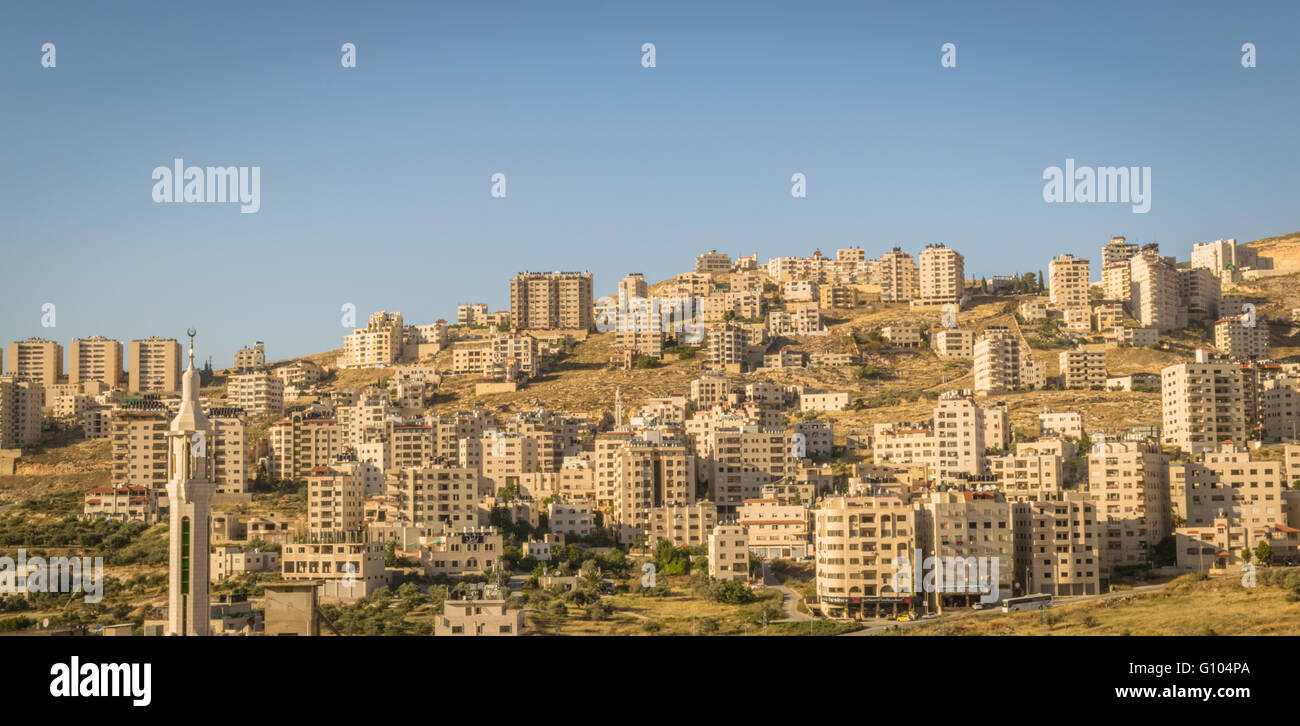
x: 1188, y: 608
x: 1285, y: 250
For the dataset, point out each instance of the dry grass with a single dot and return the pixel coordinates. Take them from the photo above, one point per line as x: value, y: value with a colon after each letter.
x: 1204, y: 608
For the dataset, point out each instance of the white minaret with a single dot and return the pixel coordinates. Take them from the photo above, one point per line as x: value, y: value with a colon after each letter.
x: 618, y: 407
x: 189, y: 491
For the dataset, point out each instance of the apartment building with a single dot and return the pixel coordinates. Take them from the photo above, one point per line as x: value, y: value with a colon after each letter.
x: 709, y: 390
x: 232, y: 560
x: 335, y: 497
x: 452, y: 430
x: 650, y: 475
x: 1198, y: 294
x: 139, y: 446
x: 301, y: 443
x: 1202, y: 404
x: 560, y: 300
x: 471, y: 313
x: 685, y: 525
x: 574, y: 519
x: 1129, y: 481
x: 776, y: 528
x: 259, y: 392
x: 1226, y: 483
x: 862, y: 543
x: 1031, y: 473
x: 850, y: 256
x: 155, y: 365
x: 1154, y: 291
x: 1067, y: 424
x: 902, y: 336
x: 1124, y: 335
x: 507, y: 457
x: 121, y: 504
x: 898, y: 276
x: 966, y: 528
x: 729, y: 553
x: 823, y: 400
x: 346, y: 566
x: 941, y: 276
x: 425, y: 341
x: 409, y: 445
x: 251, y: 359
x: 1003, y: 363
x: 800, y: 291
x: 230, y: 455
x: 796, y: 319
x: 1034, y: 310
x: 37, y: 360
x: 1116, y: 283
x: 468, y: 551
x: 1058, y: 547
x: 1224, y: 258
x: 952, y: 344
x: 818, y: 436
x: 1219, y: 546
x: 712, y: 262
x: 95, y: 359
x: 817, y: 267
x: 953, y: 442
x: 1106, y: 316
x: 1118, y: 250
x: 784, y: 358
x: 838, y: 296
x: 481, y: 612
x: 20, y: 412
x: 1083, y: 369
x: 377, y: 345
x: 300, y: 373
x: 742, y: 459
x: 442, y: 497
x: 632, y: 287
x: 1068, y: 280
x: 503, y: 356
x: 1241, y: 340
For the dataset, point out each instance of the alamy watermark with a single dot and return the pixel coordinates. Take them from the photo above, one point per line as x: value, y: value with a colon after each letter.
x: 54, y: 574
x: 210, y: 185
x: 680, y: 317
x: 948, y: 575
x: 1101, y: 185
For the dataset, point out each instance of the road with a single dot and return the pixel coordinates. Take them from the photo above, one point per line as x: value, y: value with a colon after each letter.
x: 876, y: 627
x: 789, y: 598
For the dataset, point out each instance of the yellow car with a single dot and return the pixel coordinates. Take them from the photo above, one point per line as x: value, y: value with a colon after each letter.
x: 905, y: 617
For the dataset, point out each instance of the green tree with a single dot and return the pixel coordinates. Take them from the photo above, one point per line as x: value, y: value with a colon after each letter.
x: 1264, y: 552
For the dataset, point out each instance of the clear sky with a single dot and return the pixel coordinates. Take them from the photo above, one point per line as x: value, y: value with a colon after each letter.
x: 375, y: 180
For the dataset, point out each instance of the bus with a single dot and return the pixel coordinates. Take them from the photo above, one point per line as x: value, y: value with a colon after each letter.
x: 1027, y: 602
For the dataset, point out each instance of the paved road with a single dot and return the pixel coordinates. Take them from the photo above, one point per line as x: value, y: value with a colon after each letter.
x: 516, y: 583
x: 789, y: 598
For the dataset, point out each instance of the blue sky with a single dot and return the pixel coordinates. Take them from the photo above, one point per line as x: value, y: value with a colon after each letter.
x: 376, y: 180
